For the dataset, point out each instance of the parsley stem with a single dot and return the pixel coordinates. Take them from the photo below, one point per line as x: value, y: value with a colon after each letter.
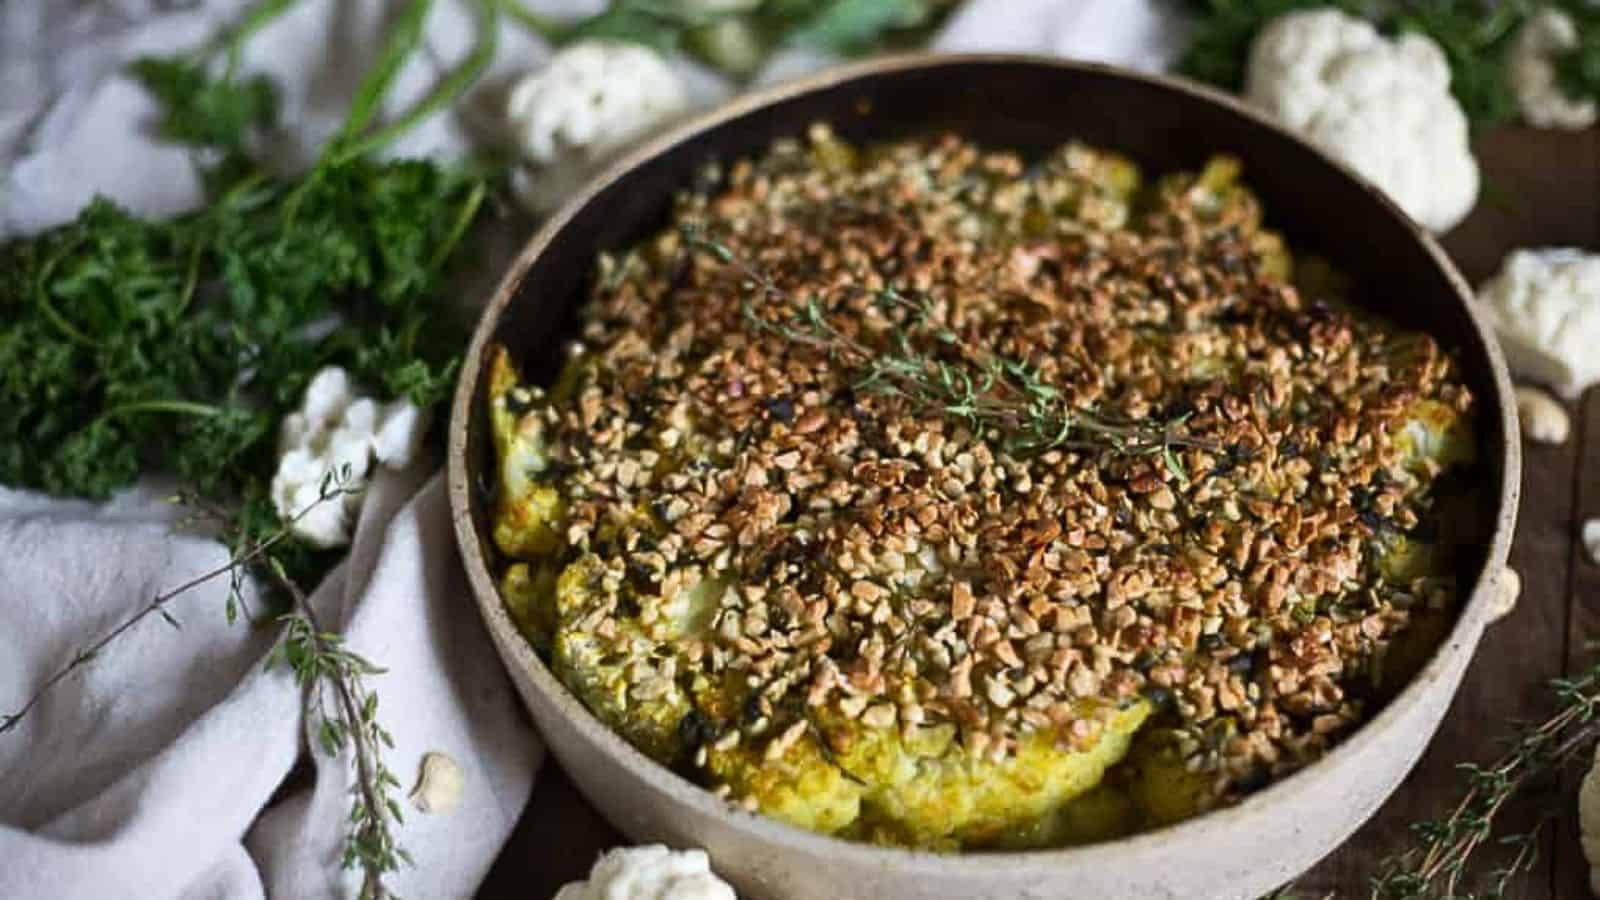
x: 233, y: 41
x: 444, y: 95
x: 464, y: 220
x: 180, y: 407
x: 403, y: 39
x: 544, y: 26
x: 42, y: 298
x: 190, y: 281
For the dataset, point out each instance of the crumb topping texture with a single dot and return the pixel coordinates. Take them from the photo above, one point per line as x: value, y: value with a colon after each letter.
x: 923, y: 496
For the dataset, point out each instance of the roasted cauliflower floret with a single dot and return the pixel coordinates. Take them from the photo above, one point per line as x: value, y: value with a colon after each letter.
x: 931, y: 791
x: 1218, y: 199
x: 1436, y: 436
x: 1102, y: 814
x: 1093, y: 189
x: 919, y: 787
x: 1163, y: 789
x: 528, y: 511
x: 529, y: 592
x: 798, y: 785
x: 611, y: 662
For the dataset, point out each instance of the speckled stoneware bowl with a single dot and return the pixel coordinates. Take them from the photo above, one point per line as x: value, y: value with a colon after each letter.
x: 1029, y: 104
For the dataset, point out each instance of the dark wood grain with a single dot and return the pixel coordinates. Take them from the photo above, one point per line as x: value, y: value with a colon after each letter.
x: 1542, y: 188
x: 1571, y: 871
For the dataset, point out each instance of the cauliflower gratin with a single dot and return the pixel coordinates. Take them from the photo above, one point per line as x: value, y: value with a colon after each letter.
x: 785, y: 573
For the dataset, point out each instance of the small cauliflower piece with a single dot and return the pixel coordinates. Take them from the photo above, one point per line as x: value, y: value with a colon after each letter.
x: 591, y: 100
x: 397, y: 438
x: 439, y: 784
x: 651, y: 872
x: 328, y: 446
x: 1531, y: 70
x: 1381, y: 106
x: 1545, y: 308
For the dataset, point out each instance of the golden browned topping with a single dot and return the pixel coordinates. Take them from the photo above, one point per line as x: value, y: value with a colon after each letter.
x: 961, y: 443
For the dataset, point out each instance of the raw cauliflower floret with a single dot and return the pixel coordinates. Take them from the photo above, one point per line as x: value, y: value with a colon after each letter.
x: 651, y: 872
x: 329, y: 445
x: 589, y: 102
x: 1545, y: 308
x: 1381, y: 106
x: 1530, y: 67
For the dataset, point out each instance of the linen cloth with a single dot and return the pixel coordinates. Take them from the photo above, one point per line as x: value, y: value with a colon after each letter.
x: 158, y: 769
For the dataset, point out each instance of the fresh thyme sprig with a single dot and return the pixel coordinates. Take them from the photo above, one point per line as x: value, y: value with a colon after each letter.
x: 320, y: 663
x: 998, y: 398
x: 239, y: 562
x: 324, y: 667
x: 1437, y: 866
x: 326, y: 670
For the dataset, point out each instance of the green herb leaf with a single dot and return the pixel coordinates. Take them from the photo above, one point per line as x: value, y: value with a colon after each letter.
x: 848, y: 26
x: 196, y: 109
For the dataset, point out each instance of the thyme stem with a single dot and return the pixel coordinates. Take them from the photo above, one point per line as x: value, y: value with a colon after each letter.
x: 994, y: 395
x: 319, y: 662
x: 156, y: 606
x: 1438, y: 864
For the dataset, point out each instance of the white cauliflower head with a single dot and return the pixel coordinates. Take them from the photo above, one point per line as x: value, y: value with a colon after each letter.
x: 590, y: 101
x: 1531, y: 70
x: 652, y: 872
x: 1545, y: 308
x: 1381, y: 106
x: 329, y: 444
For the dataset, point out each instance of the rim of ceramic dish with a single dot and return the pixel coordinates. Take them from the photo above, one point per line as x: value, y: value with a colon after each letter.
x: 1475, y: 614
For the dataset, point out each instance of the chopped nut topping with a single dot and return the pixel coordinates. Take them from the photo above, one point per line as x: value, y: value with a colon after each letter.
x: 878, y: 559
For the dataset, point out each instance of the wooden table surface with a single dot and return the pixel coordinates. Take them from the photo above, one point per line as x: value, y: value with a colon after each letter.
x: 1542, y: 188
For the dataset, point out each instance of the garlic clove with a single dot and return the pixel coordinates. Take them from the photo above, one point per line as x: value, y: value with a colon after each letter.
x: 1544, y: 420
x: 439, y: 784
x: 1507, y: 587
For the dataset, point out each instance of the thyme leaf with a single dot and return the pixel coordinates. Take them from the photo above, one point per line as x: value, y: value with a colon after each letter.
x: 1001, y: 399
